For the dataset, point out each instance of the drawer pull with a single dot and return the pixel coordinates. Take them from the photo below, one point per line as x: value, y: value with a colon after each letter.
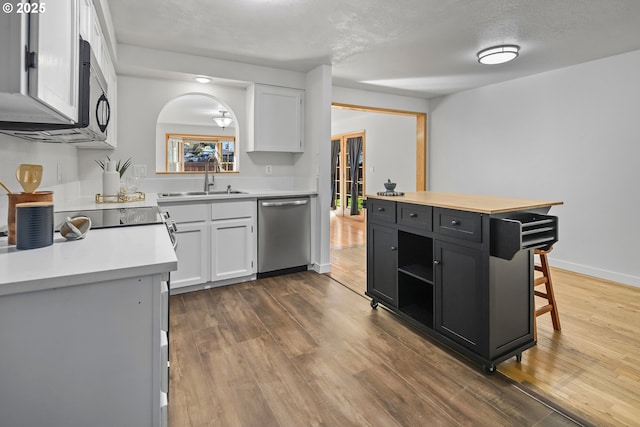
x: 455, y: 222
x: 380, y: 209
x: 394, y: 248
x: 436, y: 262
x: 413, y: 215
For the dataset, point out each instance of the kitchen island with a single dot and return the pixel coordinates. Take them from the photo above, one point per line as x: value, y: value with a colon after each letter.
x: 459, y: 267
x: 83, y: 327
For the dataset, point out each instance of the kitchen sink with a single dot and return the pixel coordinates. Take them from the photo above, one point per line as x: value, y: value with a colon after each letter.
x: 200, y: 193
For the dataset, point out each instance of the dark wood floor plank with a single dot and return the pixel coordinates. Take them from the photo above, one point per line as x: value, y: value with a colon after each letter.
x: 187, y: 378
x: 286, y: 331
x: 235, y: 314
x: 228, y: 372
x: 288, y: 394
x: 340, y: 391
x: 400, y: 399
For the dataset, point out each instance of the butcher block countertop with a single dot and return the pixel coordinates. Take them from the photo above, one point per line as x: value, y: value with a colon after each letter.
x: 468, y: 202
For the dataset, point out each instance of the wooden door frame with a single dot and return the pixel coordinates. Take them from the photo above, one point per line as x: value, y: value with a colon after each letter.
x: 343, y: 190
x: 421, y: 136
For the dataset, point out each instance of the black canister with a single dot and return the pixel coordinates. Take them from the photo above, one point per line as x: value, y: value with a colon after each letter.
x: 34, y: 225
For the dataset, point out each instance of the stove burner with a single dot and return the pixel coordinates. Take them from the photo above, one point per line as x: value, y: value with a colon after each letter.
x: 390, y: 193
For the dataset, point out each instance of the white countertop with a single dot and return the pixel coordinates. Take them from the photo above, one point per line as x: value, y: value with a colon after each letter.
x: 247, y: 194
x: 152, y: 199
x: 104, y: 254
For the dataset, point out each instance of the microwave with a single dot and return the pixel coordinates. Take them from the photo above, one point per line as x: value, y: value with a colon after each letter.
x: 94, y: 110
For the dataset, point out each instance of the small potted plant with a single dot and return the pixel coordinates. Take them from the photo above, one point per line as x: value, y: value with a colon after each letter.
x: 112, y: 178
x: 121, y: 168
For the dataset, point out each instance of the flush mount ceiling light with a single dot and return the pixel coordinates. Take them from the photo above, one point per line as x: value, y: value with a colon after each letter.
x: 203, y: 79
x: 498, y: 54
x: 223, y: 121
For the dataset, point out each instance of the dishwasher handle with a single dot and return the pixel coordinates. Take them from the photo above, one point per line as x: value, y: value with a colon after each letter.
x: 287, y: 203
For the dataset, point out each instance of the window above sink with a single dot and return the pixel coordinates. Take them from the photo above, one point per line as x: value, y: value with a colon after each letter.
x: 190, y: 131
x: 187, y: 153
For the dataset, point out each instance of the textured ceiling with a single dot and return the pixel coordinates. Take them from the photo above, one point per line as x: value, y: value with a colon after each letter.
x: 423, y: 48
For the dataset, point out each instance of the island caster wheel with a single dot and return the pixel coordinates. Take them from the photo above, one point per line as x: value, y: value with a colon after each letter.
x: 519, y: 357
x: 374, y: 303
x: 490, y: 370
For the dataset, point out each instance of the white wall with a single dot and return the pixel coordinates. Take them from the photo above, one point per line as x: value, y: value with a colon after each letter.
x: 390, y: 146
x: 572, y: 135
x: 312, y: 168
x: 149, y: 78
x: 59, y: 161
x: 140, y: 101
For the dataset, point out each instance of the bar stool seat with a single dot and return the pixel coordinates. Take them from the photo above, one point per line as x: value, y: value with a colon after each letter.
x: 545, y: 279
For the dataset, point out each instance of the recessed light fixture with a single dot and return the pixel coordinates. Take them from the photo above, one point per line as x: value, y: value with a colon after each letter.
x: 498, y: 54
x: 203, y: 79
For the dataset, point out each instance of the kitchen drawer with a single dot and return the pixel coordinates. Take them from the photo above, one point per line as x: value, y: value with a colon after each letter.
x: 458, y: 224
x: 228, y: 210
x: 187, y: 212
x: 381, y: 211
x: 415, y: 216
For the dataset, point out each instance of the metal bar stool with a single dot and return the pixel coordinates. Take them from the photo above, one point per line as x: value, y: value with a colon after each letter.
x: 545, y: 279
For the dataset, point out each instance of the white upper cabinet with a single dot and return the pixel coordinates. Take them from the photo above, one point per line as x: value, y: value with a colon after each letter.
x: 39, y: 66
x: 276, y: 118
x: 85, y: 8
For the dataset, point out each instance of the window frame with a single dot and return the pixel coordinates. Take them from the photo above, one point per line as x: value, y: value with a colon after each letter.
x: 217, y: 140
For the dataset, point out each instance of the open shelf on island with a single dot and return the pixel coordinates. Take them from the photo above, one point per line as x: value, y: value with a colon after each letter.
x: 415, y: 299
x: 419, y: 271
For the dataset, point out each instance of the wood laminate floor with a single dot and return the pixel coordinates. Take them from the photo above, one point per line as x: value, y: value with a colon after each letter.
x: 591, y: 368
x: 303, y: 350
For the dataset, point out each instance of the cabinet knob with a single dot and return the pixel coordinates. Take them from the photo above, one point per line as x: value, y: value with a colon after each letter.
x: 394, y: 248
x: 436, y: 262
x: 413, y: 215
x: 455, y: 222
x: 380, y: 209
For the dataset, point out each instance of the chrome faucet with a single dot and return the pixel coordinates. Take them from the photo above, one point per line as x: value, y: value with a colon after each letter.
x: 216, y: 168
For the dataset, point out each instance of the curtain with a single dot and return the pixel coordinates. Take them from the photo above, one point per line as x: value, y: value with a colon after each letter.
x: 354, y: 147
x: 335, y: 150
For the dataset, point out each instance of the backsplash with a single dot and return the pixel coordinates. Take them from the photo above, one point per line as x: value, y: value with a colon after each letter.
x: 59, y: 161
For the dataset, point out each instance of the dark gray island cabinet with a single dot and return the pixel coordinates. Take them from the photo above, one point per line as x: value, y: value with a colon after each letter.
x: 459, y: 267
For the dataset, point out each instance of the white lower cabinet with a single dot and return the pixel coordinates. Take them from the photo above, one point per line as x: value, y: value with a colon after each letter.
x: 216, y: 242
x: 193, y: 255
x: 91, y: 354
x: 231, y: 248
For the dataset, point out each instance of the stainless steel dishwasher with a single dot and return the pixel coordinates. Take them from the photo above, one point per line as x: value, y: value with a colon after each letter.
x: 284, y: 235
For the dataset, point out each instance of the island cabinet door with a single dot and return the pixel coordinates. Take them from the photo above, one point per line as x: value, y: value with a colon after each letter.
x: 459, y: 294
x: 382, y: 265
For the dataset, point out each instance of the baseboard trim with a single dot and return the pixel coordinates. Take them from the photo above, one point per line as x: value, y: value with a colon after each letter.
x: 321, y: 268
x: 600, y: 273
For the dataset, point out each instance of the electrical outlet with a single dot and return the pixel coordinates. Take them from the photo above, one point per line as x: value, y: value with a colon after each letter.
x: 140, y: 170
x: 269, y: 169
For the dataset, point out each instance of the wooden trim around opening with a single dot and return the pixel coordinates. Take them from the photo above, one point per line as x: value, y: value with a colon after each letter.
x: 421, y: 136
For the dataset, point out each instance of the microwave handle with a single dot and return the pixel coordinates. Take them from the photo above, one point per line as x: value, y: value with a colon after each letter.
x: 103, y: 125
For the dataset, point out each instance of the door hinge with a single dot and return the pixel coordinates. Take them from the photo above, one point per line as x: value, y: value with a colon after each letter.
x: 30, y: 59
x: 251, y: 264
